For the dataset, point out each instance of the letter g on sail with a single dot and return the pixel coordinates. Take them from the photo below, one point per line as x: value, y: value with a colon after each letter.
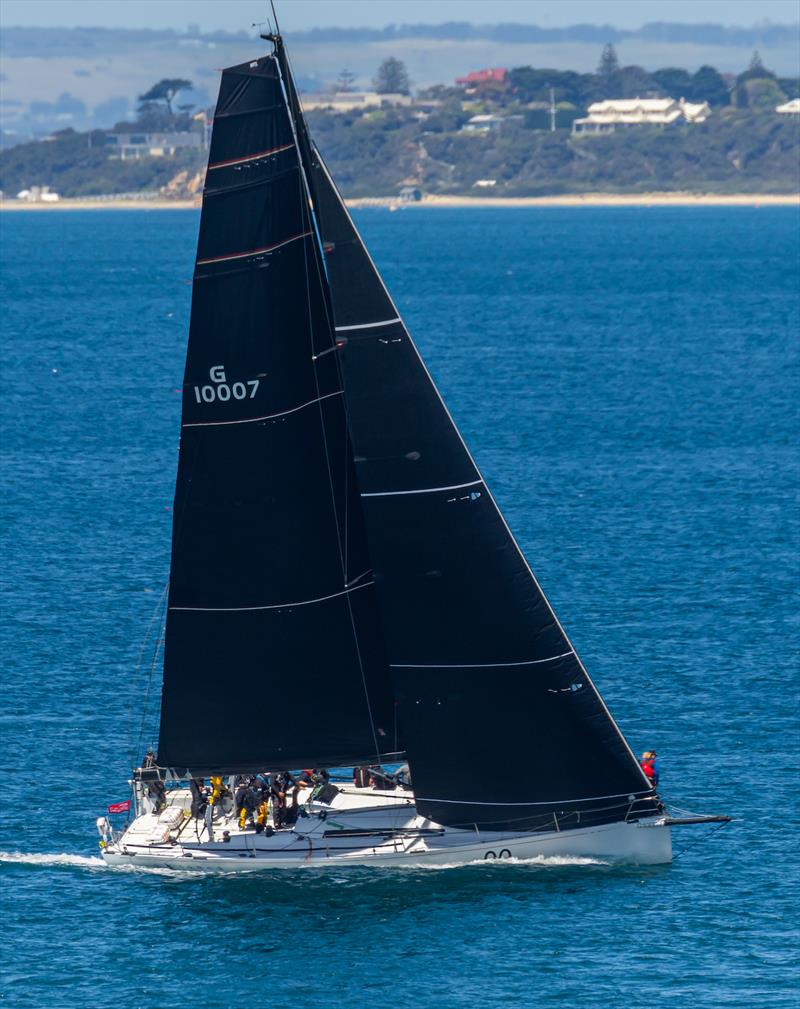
x: 220, y: 391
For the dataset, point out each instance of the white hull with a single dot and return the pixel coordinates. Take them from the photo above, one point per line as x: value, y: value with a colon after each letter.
x: 371, y: 829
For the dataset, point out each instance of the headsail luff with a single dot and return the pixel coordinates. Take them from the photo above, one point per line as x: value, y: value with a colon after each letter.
x: 274, y: 655
x: 501, y: 722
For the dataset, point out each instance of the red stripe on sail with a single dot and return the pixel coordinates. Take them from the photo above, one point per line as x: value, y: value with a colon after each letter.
x: 250, y: 157
x: 252, y: 252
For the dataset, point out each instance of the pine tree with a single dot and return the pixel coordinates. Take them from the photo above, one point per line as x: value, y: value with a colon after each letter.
x: 344, y: 82
x: 392, y: 78
x: 164, y: 91
x: 609, y: 64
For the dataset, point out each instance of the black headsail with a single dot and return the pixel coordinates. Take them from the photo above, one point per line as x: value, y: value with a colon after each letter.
x: 501, y: 723
x: 274, y: 654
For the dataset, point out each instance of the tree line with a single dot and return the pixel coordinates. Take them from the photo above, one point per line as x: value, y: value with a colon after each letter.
x: 756, y: 86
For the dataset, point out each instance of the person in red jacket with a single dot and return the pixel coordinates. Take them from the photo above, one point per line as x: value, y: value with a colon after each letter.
x: 649, y: 765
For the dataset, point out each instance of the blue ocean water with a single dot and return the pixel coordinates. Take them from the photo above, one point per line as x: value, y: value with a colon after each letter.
x: 628, y: 381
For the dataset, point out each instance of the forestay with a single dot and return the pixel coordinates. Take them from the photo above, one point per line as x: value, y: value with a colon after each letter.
x: 274, y: 653
x: 502, y: 724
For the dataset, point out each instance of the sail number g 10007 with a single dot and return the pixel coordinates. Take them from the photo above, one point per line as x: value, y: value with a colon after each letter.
x: 223, y: 391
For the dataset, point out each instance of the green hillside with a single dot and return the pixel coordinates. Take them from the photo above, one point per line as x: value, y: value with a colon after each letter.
x: 744, y: 145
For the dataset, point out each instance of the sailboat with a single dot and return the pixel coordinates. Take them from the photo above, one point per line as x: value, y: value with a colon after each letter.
x: 344, y: 589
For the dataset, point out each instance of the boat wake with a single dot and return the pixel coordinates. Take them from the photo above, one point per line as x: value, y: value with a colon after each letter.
x: 542, y: 861
x: 91, y: 862
x: 28, y: 858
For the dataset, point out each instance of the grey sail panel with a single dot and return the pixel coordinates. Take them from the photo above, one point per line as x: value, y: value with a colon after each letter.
x: 484, y: 676
x: 274, y: 654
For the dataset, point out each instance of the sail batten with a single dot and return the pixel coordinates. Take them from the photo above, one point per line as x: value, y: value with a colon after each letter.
x: 251, y: 157
x: 479, y: 665
x: 254, y: 252
x: 270, y: 606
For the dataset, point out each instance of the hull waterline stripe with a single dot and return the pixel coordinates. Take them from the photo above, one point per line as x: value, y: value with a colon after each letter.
x: 421, y: 490
x: 267, y: 416
x: 273, y: 606
x: 479, y: 665
x: 368, y: 325
x: 551, y: 802
x: 251, y: 157
x: 252, y: 252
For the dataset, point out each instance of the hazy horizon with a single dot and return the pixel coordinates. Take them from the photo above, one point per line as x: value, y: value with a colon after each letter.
x: 90, y: 76
x: 300, y: 15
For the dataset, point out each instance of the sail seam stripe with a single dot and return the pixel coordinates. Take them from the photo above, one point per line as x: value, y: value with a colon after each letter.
x: 479, y: 665
x: 252, y: 252
x: 267, y: 416
x: 421, y: 490
x: 250, y: 157
x: 272, y: 606
x: 550, y: 802
x: 368, y: 325
x: 246, y: 112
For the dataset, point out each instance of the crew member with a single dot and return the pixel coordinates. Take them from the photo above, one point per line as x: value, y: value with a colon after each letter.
x: 262, y: 812
x: 649, y: 765
x: 219, y: 790
x: 156, y: 789
x: 246, y: 802
x: 280, y: 783
x: 199, y: 793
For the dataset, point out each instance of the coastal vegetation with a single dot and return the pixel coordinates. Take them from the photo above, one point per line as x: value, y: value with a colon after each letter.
x: 743, y: 146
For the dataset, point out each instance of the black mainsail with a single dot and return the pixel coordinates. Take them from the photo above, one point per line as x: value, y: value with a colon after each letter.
x: 501, y: 722
x: 274, y: 655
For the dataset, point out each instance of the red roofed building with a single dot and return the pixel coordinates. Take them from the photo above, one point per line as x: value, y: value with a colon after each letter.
x: 477, y: 77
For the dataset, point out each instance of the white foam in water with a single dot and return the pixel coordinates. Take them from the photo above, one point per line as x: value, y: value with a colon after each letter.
x: 538, y: 860
x: 81, y: 862
x: 25, y: 858
x: 94, y: 862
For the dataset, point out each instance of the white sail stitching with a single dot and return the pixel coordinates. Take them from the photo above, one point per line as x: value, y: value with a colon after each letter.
x: 368, y: 325
x: 421, y: 490
x: 267, y: 416
x: 273, y: 606
x: 480, y: 665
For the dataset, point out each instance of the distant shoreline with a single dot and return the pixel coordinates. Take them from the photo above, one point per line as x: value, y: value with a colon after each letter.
x: 566, y: 200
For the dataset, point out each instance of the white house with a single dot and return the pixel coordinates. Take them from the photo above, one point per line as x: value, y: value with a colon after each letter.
x: 613, y: 113
x: 791, y: 108
x: 38, y: 194
x: 484, y: 123
x: 346, y: 101
x: 153, y: 145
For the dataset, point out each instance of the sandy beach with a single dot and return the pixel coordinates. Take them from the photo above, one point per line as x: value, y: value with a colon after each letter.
x: 594, y: 200
x: 566, y: 200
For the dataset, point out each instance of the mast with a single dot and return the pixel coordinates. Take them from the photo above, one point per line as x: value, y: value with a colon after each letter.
x: 274, y: 652
x: 502, y: 724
